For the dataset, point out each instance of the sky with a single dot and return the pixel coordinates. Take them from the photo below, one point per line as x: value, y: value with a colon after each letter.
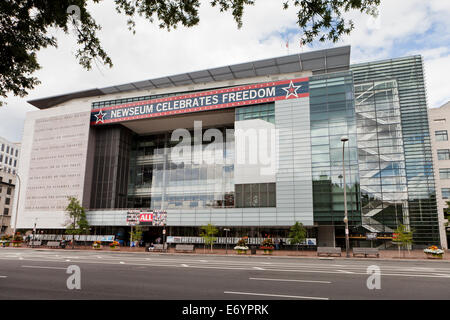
x: 403, y: 28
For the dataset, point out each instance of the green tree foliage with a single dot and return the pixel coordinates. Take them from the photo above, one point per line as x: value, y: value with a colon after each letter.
x: 78, y: 223
x: 297, y: 234
x: 404, y: 238
x: 136, y: 234
x: 208, y: 233
x: 28, y: 26
x: 324, y: 19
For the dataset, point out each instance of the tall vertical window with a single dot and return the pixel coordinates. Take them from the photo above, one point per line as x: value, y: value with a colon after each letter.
x: 443, y: 154
x: 332, y: 115
x: 441, y: 135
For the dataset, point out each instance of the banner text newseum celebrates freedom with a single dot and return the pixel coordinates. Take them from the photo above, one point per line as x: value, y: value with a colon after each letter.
x: 203, y: 101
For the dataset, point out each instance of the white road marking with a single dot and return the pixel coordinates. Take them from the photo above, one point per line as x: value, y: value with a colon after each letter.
x: 258, y: 268
x: 290, y: 280
x: 121, y: 262
x: 41, y: 267
x: 274, y: 295
x: 184, y: 265
x: 356, y: 268
x: 299, y: 269
x: 67, y: 260
x: 3, y: 277
x: 344, y: 271
x: 442, y: 275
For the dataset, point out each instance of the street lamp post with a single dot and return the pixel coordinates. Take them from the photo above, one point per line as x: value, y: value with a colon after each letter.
x: 17, y: 204
x: 164, y: 238
x: 226, y: 239
x: 34, y: 232
x: 131, y: 236
x: 347, y: 240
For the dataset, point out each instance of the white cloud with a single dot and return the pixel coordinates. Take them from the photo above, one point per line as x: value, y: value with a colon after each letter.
x: 216, y: 41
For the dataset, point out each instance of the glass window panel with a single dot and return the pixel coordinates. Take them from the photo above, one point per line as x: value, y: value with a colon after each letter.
x: 444, y: 173
x: 319, y: 132
x: 443, y: 154
x: 320, y: 149
x: 441, y: 135
x: 320, y: 141
x: 321, y: 158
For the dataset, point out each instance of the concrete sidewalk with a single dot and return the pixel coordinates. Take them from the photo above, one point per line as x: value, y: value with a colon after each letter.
x: 418, y: 255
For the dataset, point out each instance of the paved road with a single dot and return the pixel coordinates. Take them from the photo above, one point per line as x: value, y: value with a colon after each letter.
x: 41, y: 274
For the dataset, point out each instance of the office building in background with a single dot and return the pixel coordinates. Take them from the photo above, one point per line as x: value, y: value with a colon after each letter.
x: 439, y: 129
x: 9, y: 158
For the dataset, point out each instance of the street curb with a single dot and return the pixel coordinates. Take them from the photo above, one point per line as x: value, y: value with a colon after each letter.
x: 240, y: 256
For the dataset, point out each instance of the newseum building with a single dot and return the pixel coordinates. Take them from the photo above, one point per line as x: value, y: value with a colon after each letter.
x: 252, y: 147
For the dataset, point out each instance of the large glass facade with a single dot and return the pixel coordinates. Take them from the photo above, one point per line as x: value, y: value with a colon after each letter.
x: 381, y: 156
x: 332, y: 117
x: 381, y: 108
x: 393, y: 83
x: 111, y: 164
x: 157, y: 182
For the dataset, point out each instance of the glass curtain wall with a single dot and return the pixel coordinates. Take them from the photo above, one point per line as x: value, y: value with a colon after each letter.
x: 409, y: 76
x: 110, y: 174
x: 381, y: 156
x: 332, y: 117
x: 157, y: 183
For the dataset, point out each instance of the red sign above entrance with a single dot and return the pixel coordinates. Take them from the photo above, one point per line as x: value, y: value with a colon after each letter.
x: 145, y: 217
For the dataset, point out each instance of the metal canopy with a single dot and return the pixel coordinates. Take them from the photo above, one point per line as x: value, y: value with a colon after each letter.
x: 319, y: 62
